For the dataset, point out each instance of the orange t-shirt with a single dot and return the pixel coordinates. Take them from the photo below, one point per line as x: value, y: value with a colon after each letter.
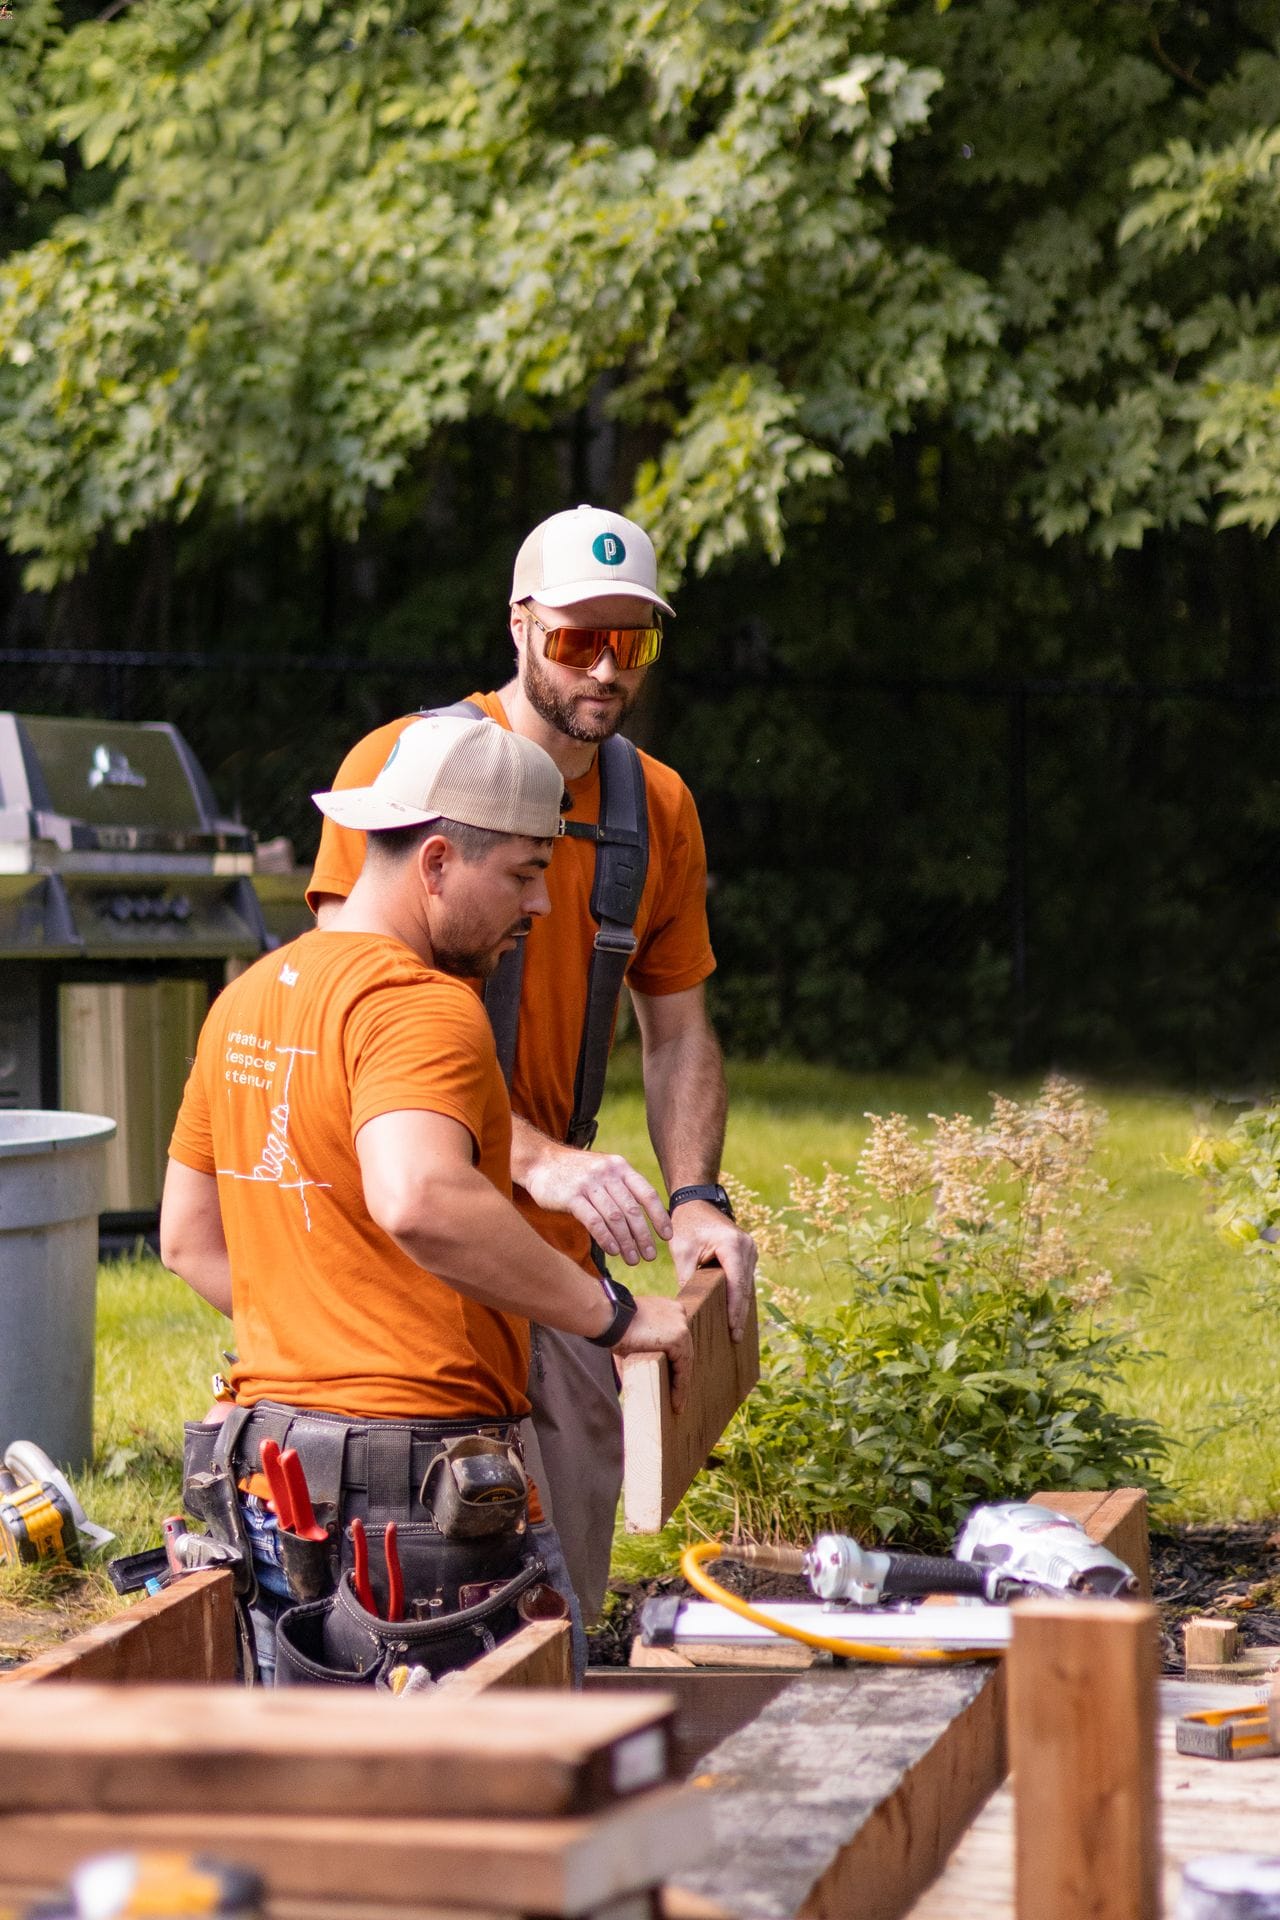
x: 295, y: 1056
x: 673, y: 950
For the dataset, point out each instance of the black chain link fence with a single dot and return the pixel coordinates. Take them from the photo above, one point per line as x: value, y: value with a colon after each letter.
x: 1010, y: 873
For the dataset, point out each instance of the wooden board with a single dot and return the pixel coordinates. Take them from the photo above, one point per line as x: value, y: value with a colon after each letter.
x: 186, y: 1633
x: 1082, y: 1705
x: 664, y: 1452
x: 1205, y: 1806
x: 539, y: 1655
x: 845, y: 1796
x: 320, y: 1750
x: 561, y: 1866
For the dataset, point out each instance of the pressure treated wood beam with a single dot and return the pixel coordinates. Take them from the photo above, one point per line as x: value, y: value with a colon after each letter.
x: 663, y: 1452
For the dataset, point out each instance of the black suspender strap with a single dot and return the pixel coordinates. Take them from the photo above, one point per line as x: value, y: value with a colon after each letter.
x: 622, y: 861
x: 502, y: 1004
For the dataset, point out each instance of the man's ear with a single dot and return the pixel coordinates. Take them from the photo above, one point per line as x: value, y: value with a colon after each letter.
x: 516, y: 623
x: 435, y: 856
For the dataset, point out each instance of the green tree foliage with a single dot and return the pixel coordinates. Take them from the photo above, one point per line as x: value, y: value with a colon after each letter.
x: 333, y: 230
x: 320, y: 234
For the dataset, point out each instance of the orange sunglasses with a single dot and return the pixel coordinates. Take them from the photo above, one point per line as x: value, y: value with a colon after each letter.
x: 582, y: 646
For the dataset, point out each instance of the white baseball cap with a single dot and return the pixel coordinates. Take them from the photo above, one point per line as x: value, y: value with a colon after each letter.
x: 447, y: 767
x: 584, y: 553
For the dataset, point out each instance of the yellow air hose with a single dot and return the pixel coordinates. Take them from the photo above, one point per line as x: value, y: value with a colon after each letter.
x: 691, y: 1566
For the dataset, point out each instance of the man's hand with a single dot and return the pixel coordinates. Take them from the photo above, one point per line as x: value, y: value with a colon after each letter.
x: 702, y: 1236
x: 660, y: 1327
x: 617, y: 1206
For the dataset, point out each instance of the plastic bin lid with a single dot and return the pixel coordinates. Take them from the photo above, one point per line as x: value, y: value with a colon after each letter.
x: 44, y: 1130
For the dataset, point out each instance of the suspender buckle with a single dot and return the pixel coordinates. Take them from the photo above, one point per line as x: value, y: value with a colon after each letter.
x: 613, y: 937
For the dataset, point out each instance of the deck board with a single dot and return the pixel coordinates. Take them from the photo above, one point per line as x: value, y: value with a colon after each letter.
x: 1206, y: 1806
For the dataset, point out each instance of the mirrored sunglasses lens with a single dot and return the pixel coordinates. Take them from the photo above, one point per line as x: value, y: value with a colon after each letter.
x: 582, y: 646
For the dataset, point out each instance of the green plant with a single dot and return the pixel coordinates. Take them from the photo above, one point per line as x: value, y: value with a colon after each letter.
x: 1242, y: 1168
x: 966, y: 1361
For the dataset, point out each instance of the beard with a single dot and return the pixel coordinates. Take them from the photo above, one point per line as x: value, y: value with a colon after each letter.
x: 470, y: 961
x: 564, y: 711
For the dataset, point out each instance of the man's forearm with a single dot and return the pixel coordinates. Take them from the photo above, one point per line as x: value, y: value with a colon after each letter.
x: 685, y: 1103
x: 468, y: 1234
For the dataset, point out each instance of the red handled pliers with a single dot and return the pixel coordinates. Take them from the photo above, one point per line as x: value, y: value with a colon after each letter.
x: 360, y: 1571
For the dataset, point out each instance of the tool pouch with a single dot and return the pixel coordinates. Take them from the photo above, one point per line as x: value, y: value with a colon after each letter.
x: 213, y: 1498
x: 475, y: 1488
x: 307, y: 1564
x: 336, y: 1642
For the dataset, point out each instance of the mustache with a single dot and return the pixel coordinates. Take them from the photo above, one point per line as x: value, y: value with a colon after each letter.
x: 521, y: 927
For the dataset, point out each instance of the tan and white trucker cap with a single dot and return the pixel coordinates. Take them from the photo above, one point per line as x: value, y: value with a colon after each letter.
x: 446, y: 767
x: 583, y: 553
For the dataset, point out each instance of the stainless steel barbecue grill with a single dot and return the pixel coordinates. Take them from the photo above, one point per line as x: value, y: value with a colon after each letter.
x: 123, y: 897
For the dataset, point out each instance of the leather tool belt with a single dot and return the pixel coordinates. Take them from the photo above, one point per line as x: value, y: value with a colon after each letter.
x: 456, y: 1492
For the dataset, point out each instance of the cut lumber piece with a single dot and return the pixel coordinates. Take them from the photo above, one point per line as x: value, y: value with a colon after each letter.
x: 187, y: 1633
x: 539, y: 1655
x: 663, y: 1452
x: 1082, y: 1747
x: 1209, y: 1643
x: 560, y: 1866
x: 326, y: 1750
x: 845, y: 1796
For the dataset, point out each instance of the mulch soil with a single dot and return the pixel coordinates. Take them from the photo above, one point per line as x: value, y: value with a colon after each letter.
x: 1231, y: 1572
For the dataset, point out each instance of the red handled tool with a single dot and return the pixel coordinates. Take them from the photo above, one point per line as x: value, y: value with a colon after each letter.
x: 305, y: 1524
x: 360, y: 1573
x: 395, y: 1579
x: 270, y: 1453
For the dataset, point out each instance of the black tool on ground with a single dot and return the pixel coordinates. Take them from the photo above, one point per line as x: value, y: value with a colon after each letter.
x: 131, y: 1572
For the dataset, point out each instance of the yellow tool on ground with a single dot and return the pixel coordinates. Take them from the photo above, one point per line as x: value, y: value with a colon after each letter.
x: 1227, y: 1733
x: 160, y: 1886
x: 36, y: 1523
x: 40, y: 1517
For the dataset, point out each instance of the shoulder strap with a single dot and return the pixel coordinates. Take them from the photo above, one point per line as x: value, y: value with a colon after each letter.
x: 622, y: 862
x: 502, y: 988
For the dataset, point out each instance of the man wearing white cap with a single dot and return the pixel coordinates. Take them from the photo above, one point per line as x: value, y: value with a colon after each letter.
x: 339, y: 1178
x: 586, y: 621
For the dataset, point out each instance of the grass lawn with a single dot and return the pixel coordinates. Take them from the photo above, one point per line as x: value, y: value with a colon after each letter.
x: 1210, y: 1355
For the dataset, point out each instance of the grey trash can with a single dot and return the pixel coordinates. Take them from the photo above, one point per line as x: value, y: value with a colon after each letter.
x: 51, y: 1176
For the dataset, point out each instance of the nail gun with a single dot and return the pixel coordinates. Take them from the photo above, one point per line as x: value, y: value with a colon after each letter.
x: 1003, y: 1553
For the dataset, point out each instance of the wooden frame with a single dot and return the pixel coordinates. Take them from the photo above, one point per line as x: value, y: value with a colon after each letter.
x: 663, y: 1452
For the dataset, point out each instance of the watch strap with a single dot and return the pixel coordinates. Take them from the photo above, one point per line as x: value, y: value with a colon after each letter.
x: 711, y: 1191
x: 624, y: 1312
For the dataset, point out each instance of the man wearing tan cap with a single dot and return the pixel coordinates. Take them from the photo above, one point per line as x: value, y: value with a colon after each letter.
x: 586, y: 622
x: 340, y: 1170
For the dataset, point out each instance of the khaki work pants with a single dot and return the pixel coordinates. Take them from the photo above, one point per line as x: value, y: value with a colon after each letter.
x: 576, y: 1459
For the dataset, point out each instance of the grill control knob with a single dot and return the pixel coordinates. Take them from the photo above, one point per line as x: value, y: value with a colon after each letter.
x: 180, y: 908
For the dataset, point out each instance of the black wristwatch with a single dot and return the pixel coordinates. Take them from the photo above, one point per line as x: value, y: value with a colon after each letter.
x: 623, y: 1302
x: 713, y: 1193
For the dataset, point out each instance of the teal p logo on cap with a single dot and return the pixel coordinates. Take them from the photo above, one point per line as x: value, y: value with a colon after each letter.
x: 608, y: 550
